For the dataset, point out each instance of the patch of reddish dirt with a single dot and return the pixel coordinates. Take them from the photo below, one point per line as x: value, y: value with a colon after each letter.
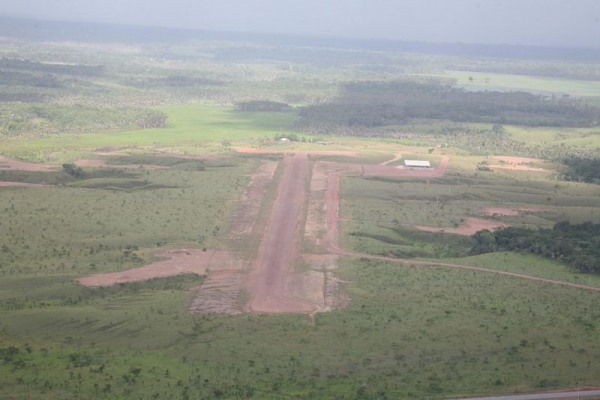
x: 16, y: 165
x: 518, y: 164
x: 19, y: 184
x: 500, y: 211
x: 395, y: 158
x: 177, y: 262
x: 469, y: 227
x: 273, y: 284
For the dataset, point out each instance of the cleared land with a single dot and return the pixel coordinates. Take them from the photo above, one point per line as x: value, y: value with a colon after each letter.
x: 273, y: 279
x: 176, y: 262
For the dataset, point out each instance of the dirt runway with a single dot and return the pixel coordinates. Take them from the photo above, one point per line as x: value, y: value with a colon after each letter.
x: 271, y: 279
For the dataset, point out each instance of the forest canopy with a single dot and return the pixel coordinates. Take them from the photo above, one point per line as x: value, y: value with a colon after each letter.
x: 377, y: 104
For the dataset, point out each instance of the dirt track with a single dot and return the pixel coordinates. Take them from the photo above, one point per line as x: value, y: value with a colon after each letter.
x: 177, y: 262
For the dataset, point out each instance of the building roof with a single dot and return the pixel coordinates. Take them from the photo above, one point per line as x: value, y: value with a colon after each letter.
x: 417, y: 163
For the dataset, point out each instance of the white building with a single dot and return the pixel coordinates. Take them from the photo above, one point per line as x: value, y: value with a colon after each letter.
x: 417, y: 163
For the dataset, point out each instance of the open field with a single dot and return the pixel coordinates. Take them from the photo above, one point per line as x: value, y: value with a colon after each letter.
x: 193, y: 129
x: 494, y: 81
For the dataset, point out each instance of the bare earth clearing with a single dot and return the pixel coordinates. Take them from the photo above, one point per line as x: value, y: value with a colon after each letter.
x: 176, y: 262
x: 16, y: 165
x: 518, y: 164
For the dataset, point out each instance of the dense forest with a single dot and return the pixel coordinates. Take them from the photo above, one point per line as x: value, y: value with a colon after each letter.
x: 377, y: 104
x: 577, y: 245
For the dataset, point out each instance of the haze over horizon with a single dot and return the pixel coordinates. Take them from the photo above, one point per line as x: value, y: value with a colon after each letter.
x: 556, y: 23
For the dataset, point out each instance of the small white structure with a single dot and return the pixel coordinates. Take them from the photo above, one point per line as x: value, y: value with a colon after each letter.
x: 417, y: 163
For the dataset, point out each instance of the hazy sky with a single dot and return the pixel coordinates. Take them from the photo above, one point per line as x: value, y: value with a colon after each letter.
x: 540, y: 22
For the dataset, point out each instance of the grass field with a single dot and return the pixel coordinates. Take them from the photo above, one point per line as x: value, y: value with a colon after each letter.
x: 588, y: 138
x: 493, y: 81
x: 409, y: 333
x: 193, y: 129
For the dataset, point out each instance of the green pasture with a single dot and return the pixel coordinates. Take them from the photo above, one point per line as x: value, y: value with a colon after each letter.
x: 585, y: 138
x: 193, y: 129
x: 502, y: 82
x: 410, y: 332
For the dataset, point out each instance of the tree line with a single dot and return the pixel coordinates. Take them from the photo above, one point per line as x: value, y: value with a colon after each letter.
x: 577, y: 245
x: 378, y: 104
x: 582, y: 169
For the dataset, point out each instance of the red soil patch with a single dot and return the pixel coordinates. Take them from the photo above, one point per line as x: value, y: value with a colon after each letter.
x: 395, y: 158
x: 469, y: 227
x: 16, y: 165
x: 272, y: 281
x: 491, y: 211
x: 187, y: 261
x: 517, y: 164
x: 19, y: 184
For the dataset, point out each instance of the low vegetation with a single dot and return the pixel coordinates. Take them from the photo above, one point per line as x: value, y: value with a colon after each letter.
x: 35, y: 120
